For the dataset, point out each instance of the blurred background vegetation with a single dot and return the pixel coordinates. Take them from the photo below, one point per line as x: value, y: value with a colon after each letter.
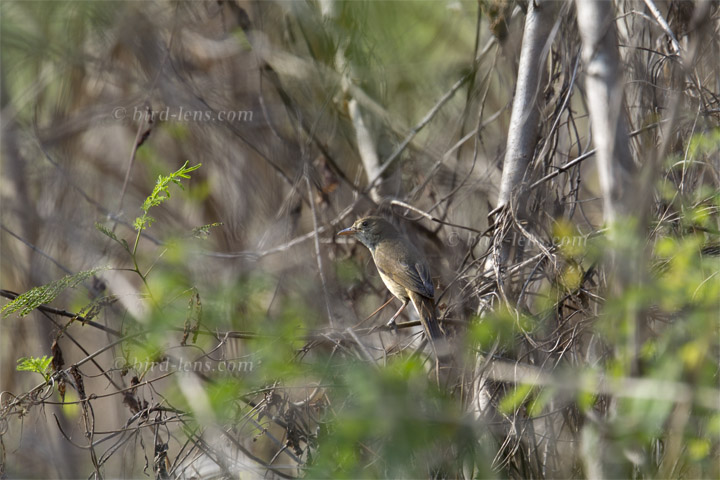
x: 229, y: 337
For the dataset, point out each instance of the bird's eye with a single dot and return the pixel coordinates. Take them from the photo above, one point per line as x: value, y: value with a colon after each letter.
x: 365, y: 223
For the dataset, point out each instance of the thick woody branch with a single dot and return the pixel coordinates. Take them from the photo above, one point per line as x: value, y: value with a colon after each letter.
x: 603, y: 82
x: 532, y: 74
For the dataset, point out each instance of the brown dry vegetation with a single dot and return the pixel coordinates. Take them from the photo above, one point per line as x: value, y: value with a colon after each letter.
x: 583, y: 347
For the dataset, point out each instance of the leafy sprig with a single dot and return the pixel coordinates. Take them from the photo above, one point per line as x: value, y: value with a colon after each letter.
x: 33, y: 298
x: 160, y: 193
x: 39, y: 365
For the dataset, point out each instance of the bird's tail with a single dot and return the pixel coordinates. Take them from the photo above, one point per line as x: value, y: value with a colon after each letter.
x: 447, y: 372
x: 426, y: 310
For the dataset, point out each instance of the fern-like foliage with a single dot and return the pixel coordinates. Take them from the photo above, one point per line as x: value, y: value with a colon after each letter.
x: 108, y: 233
x: 92, y: 309
x: 203, y: 232
x: 35, y: 364
x: 161, y: 192
x: 30, y: 300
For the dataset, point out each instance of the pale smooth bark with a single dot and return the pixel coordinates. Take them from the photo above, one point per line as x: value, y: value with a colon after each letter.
x: 603, y: 83
x: 522, y: 139
x: 604, y: 93
x: 532, y: 75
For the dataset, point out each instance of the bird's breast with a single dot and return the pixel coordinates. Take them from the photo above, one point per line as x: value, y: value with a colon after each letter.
x: 395, y: 288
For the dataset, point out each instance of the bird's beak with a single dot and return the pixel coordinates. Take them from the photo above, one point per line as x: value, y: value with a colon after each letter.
x: 347, y: 231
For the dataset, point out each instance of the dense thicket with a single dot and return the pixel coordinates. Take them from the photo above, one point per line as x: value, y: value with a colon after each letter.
x: 221, y: 329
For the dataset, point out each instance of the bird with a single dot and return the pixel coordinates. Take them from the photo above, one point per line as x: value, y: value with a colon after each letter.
x: 402, y: 268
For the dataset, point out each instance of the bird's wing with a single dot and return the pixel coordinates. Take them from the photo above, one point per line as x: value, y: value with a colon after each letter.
x: 424, y: 275
x: 415, y: 276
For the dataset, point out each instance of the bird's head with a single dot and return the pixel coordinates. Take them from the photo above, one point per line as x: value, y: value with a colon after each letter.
x: 370, y: 230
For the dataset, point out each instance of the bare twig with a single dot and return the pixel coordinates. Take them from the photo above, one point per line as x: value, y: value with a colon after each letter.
x: 416, y: 129
x: 435, y: 219
x: 663, y: 24
x: 318, y: 254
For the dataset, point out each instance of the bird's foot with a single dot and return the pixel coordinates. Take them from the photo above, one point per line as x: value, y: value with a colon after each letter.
x: 392, y: 325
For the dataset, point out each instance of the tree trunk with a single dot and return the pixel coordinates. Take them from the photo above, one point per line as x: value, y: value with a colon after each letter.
x: 532, y: 75
x: 603, y: 81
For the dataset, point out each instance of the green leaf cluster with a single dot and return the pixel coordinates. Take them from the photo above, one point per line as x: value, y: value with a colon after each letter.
x: 32, y: 299
x: 161, y: 193
x: 39, y: 365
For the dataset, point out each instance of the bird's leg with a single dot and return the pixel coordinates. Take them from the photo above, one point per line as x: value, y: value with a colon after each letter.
x: 374, y: 313
x: 391, y: 322
x: 379, y: 308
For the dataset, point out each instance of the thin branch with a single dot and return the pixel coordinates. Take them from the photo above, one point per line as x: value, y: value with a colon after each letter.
x: 663, y: 24
x: 416, y: 129
x: 256, y: 255
x: 318, y: 253
x: 576, y: 161
x: 435, y: 219
x: 64, y: 313
x: 36, y: 249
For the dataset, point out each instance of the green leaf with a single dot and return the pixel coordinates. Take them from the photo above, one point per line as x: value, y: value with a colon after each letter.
x: 109, y: 233
x: 30, y: 300
x: 35, y: 364
x: 92, y: 309
x: 204, y: 231
x: 161, y: 192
